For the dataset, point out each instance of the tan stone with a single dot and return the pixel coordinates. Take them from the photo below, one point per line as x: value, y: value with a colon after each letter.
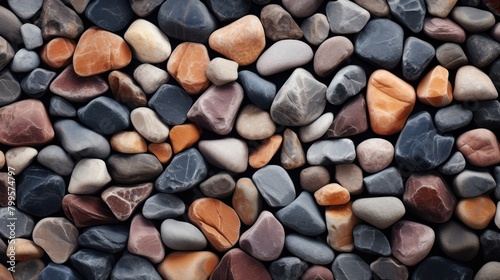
x: 58, y: 52
x: 149, y: 125
x: 350, y: 176
x: 25, y: 249
x: 128, y: 142
x: 162, y: 151
x: 480, y: 147
x: 340, y: 222
x: 435, y: 88
x: 472, y: 84
x: 188, y: 265
x: 2, y: 159
x: 57, y: 236
x: 253, y: 123
x: 246, y: 201
x: 188, y: 65
x: 476, y: 212
x: 332, y: 194
x: 184, y: 136
x: 378, y: 8
x: 5, y: 274
x: 261, y: 156
x: 148, y: 42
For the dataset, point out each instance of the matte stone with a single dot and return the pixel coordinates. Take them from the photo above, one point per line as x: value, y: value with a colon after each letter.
x: 347, y: 82
x: 171, y: 103
x: 128, y: 142
x: 186, y: 21
x: 145, y: 240
x: 147, y: 41
x: 451, y: 56
x: 260, y: 91
x: 389, y: 268
x: 487, y: 114
x: 340, y: 223
x: 350, y: 176
x: 370, y: 240
x: 350, y: 266
x: 236, y: 264
x: 78, y: 89
x: 24, y: 223
x: 57, y: 237
x: 130, y: 267
x: 112, y: 15
x: 488, y: 271
x: 380, y: 212
x: 58, y: 52
x: 309, y: 249
x: 19, y: 158
x: 279, y: 24
x: 302, y: 8
x: 10, y: 27
x: 60, y: 107
x: 58, y: 20
x: 482, y: 50
x: 410, y: 13
x: 292, y: 155
x: 454, y: 165
x: 89, y: 176
x: 123, y: 201
x: 197, y: 265
x: 490, y: 245
x: 182, y: 236
x: 444, y: 29
x: 458, y: 241
x: 150, y: 77
x: 473, y: 19
x: 25, y: 9
x: 246, y: 201
x: 351, y: 119
x: 417, y: 54
x: 104, y: 115
x: 230, y: 154
x: 132, y: 169
x: 36, y: 83
x: 440, y: 8
x: 374, y: 154
x: 87, y: 210
x: 222, y: 71
x: 317, y: 128
x: 452, y: 118
x: 125, y: 90
x: 144, y: 8
x: 229, y: 10
x: 315, y: 28
x: 346, y: 17
x: 284, y: 55
x: 378, y: 32
x: 93, y: 264
x: 28, y: 269
x: 437, y: 267
x: 275, y: 185
x: 105, y: 238
x: 220, y: 185
x: 79, y: 141
x: 24, y: 61
x: 480, y: 147
x: 9, y: 86
x: 316, y: 272
x: 263, y: 153
x: 378, y: 8
x: 385, y: 182
x: 184, y: 136
x: 253, y: 123
x: 286, y: 268
x: 411, y: 242
x: 476, y: 212
x: 324, y: 60
x: 471, y: 183
x: 162, y: 206
x: 59, y: 271
x: 302, y: 215
x: 32, y: 36
x: 331, y: 152
x: 332, y: 194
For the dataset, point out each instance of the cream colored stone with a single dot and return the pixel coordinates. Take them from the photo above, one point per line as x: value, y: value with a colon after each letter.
x: 149, y: 44
x: 222, y: 71
x: 149, y: 125
x: 89, y: 176
x: 19, y: 158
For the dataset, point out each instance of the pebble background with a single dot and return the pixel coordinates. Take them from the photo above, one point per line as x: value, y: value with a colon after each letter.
x: 238, y: 139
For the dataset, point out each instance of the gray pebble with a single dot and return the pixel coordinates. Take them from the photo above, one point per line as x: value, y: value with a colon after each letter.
x: 308, y: 249
x: 457, y: 241
x: 303, y: 216
x: 260, y: 91
x: 331, y: 151
x: 454, y: 165
x: 24, y: 223
x: 56, y: 159
x: 6, y: 53
x: 275, y: 185
x: 287, y: 268
x: 368, y: 239
x: 482, y: 50
x: 417, y: 54
x: 60, y: 107
x: 182, y: 236
x: 105, y: 238
x: 346, y: 17
x: 453, y: 117
x: 162, y: 206
x: 472, y: 183
x: 25, y: 9
x: 9, y: 87
x: 472, y: 19
x: 451, y: 56
x: 133, y: 267
x: 410, y: 13
x: 385, y: 182
x: 32, y: 36
x: 81, y: 142
x: 220, y: 185
x: 24, y: 61
x: 348, y: 82
x: 104, y: 115
x: 36, y: 83
x: 134, y: 168
x: 348, y: 266
x: 316, y: 29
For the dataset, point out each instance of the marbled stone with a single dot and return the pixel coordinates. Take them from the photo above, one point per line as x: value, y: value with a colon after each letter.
x: 275, y: 185
x: 149, y: 125
x: 58, y: 52
x: 332, y: 194
x: 488, y: 271
x: 378, y: 8
x: 471, y: 183
x: 473, y: 19
x: 451, y: 56
x: 350, y: 120
x: 229, y: 10
x: 417, y: 54
x: 89, y: 176
x: 350, y: 176
x: 10, y: 27
x: 221, y: 71
x: 374, y: 154
x: 144, y: 8
x: 380, y: 212
x: 452, y: 117
x: 32, y: 36
x: 130, y: 267
x: 284, y: 55
x: 411, y: 242
x: 279, y: 24
x: 389, y: 268
x: 346, y: 17
x: 58, y: 271
x: 253, y: 123
x: 9, y: 86
x: 197, y: 265
x: 340, y: 223
x: 435, y: 88
x: 123, y: 201
x: 350, y: 266
x: 24, y: 61
x: 309, y: 249
x: 287, y: 268
x: 454, y: 165
x: 184, y: 136
x: 370, y: 240
x: 125, y: 90
x: 79, y: 141
x: 182, y: 236
x: 262, y: 154
x: 444, y: 29
x: 315, y: 28
x: 347, y: 82
x: 458, y: 241
x: 476, y: 212
x: 93, y: 264
x: 482, y: 50
x: 57, y: 237
x: 332, y: 53
x: 58, y: 20
x: 163, y: 206
x: 145, y: 240
x: 150, y: 77
x: 24, y: 223
x: 148, y: 43
x: 18, y: 158
x: 128, y: 142
x: 385, y: 182
x: 480, y: 147
x: 171, y: 103
x: 112, y: 15
x: 132, y: 169
x: 236, y: 264
x: 261, y: 92
x: 75, y: 88
x: 331, y: 152
x: 109, y: 239
x: 220, y: 185
x: 87, y: 210
x: 246, y: 201
x: 486, y: 114
x: 490, y: 245
x: 302, y: 215
x: 60, y: 107
x: 316, y: 129
x: 228, y: 153
x: 25, y: 9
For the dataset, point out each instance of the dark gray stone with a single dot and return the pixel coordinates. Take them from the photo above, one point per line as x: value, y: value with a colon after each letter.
x: 60, y: 272
x: 24, y: 223
x: 81, y: 142
x: 347, y: 266
x: 104, y: 115
x: 10, y: 27
x: 227, y: 10
x: 143, y: 8
x: 457, y: 241
x: 309, y: 249
x: 6, y: 53
x: 186, y: 20
x: 388, y: 269
x: 385, y: 182
x: 162, y: 206
x: 133, y: 169
x: 112, y: 15
x: 482, y: 49
x: 260, y: 91
x: 56, y: 159
x: 473, y: 20
x: 454, y: 165
x: 36, y: 83
x: 496, y: 173
x: 346, y: 17
x: 275, y: 185
x: 287, y: 268
x: 108, y: 239
x: 451, y: 118
x: 494, y: 73
x: 186, y: 170
x: 417, y: 54
x: 348, y: 82
x: 487, y: 114
x: 303, y: 216
x: 331, y: 151
x: 132, y: 267
x: 9, y: 87
x: 439, y: 268
x: 368, y: 239
x: 32, y: 36
x: 411, y: 13
x: 25, y: 9
x: 380, y: 32
x: 451, y: 56
x: 60, y: 107
x: 419, y: 146
x: 220, y: 185
x: 171, y: 103
x: 471, y: 183
x: 24, y: 61
x: 490, y: 245
x: 92, y: 264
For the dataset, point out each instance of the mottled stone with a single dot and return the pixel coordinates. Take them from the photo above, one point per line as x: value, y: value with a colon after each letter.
x: 262, y: 154
x: 25, y: 9
x: 476, y: 212
x: 9, y: 86
x: 279, y: 24
x: 411, y: 242
x: 331, y: 152
x: 104, y: 115
x: 58, y: 271
x: 389, y: 268
x: 302, y: 215
x: 112, y: 15
x: 374, y: 154
x: 261, y: 92
x: 254, y: 123
x: 275, y: 185
x: 284, y: 55
x: 93, y: 264
x: 480, y: 147
x: 197, y: 265
x: 471, y: 183
x: 58, y: 20
x: 182, y: 236
x: 437, y: 267
x: 292, y: 155
x: 385, y: 182
x: 370, y: 240
x: 60, y: 107
x: 350, y: 120
x: 228, y: 153
x: 130, y: 267
x: 220, y: 185
x: 332, y: 53
x: 57, y: 237
x: 332, y: 194
x: 132, y: 169
x: 125, y: 90
x: 184, y: 136
x: 488, y: 271
x: 473, y: 19
x: 145, y: 240
x: 482, y: 50
x: 19, y: 158
x: 87, y: 210
x: 123, y: 201
x: 347, y: 82
x: 350, y: 266
x: 350, y: 176
x: 162, y: 206
x: 128, y: 142
x: 454, y: 165
x: 346, y: 17
x: 417, y: 54
x: 458, y: 241
x: 77, y: 89
x: 308, y: 249
x: 150, y: 77
x: 444, y: 29
x: 89, y: 176
x: 246, y: 201
x: 24, y: 223
x: 317, y: 128
x: 148, y: 43
x: 143, y: 8
x: 380, y: 212
x: 265, y: 239
x: 315, y: 28
x: 287, y: 268
x: 79, y: 141
x: 106, y: 238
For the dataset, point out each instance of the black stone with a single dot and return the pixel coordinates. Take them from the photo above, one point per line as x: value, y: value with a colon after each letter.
x: 36, y: 83
x: 24, y: 223
x: 60, y: 107
x: 347, y: 266
x: 482, y: 50
x: 452, y: 117
x: 302, y: 215
x: 490, y: 245
x: 287, y: 268
x: 163, y: 206
x: 494, y: 73
x: 60, y: 272
x: 132, y: 267
x: 385, y: 182
x: 92, y: 264
x: 108, y: 239
x: 104, y: 115
x: 440, y: 268
x: 133, y: 169
x: 417, y: 54
x: 260, y: 91
x: 171, y: 103
x: 487, y: 114
x: 411, y: 13
x: 9, y: 87
x: 226, y: 10
x: 40, y: 191
x: 112, y: 15
x: 368, y: 239
x: 143, y: 8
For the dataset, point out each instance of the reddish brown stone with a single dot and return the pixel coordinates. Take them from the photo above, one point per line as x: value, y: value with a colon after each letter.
x: 264, y: 152
x: 162, y: 151
x: 480, y: 147
x: 279, y: 24
x: 444, y: 29
x: 145, y: 240
x: 58, y: 52
x: 124, y: 200
x: 411, y: 242
x: 4, y: 188
x: 184, y: 136
x: 85, y: 211
x: 238, y: 265
x: 332, y: 194
x: 75, y: 88
x: 58, y: 20
x: 188, y: 265
x: 125, y: 90
x: 188, y: 64
x: 25, y: 123
x: 476, y: 212
x: 350, y: 120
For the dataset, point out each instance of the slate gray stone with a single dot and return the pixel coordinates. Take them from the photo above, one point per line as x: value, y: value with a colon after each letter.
x: 24, y: 61
x: 348, y: 266
x: 368, y: 239
x: 220, y: 185
x: 186, y: 20
x: 300, y: 101
x: 481, y: 49
x: 182, y: 236
x: 81, y: 142
x: 133, y: 267
x: 438, y: 268
x: 490, y: 245
x: 133, y: 169
x: 260, y: 91
x: 487, y: 114
x: 104, y: 115
x: 309, y: 249
x: 417, y: 54
x: 36, y: 83
x: 144, y: 8
x: 112, y: 15
x: 287, y: 268
x: 58, y: 271
x: 24, y: 223
x: 275, y: 185
x: 228, y: 10
x: 451, y: 56
x: 171, y: 103
x: 9, y: 87
x: 419, y: 146
x: 331, y: 151
x: 380, y: 32
x: 458, y: 241
x: 346, y: 17
x: 56, y: 159
x: 32, y: 36
x: 92, y: 264
x: 106, y: 238
x: 186, y: 170
x: 388, y: 268
x: 302, y: 215
x: 162, y: 206
x: 385, y: 182
x: 494, y: 73
x: 411, y: 13
x: 452, y: 117
x: 472, y: 183
x: 6, y: 53
x: 454, y: 165
x: 60, y: 107
x: 472, y: 19
x: 10, y: 27
x: 348, y: 82
x: 496, y: 173
x: 25, y: 9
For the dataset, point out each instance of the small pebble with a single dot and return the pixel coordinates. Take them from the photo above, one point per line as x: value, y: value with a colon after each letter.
x: 346, y: 17
x: 128, y: 142
x: 58, y: 52
x: 148, y: 43
x: 374, y: 154
x: 262, y: 154
x: 331, y: 152
x: 284, y: 55
x: 292, y: 154
x: 72, y: 87
x: 326, y: 60
x: 104, y: 115
x: 221, y: 71
x: 184, y: 136
x: 347, y: 82
x: 351, y: 119
x: 92, y: 264
x: 389, y: 268
x: 89, y: 176
x: 444, y: 29
x: 32, y: 36
x: 473, y: 19
x: 490, y: 245
x: 482, y: 50
x: 471, y: 183
x: 111, y: 15
x: 108, y: 239
x: 24, y: 61
x: 163, y: 206
x: 150, y: 77
x: 476, y: 212
x: 60, y: 271
x: 378, y: 8
x: 451, y: 56
x: 313, y: 178
x: 480, y: 147
x: 454, y: 165
x: 452, y: 118
x: 435, y: 89
x: 254, y: 123
x: 60, y: 107
x: 417, y: 54
x: 316, y: 129
x: 122, y: 201
x: 350, y: 176
x: 19, y: 158
x: 149, y: 125
x: 332, y: 194
x: 315, y: 29
x: 9, y: 86
x: 261, y: 92
x: 130, y: 267
x: 246, y: 201
x: 220, y: 185
x: 133, y: 168
x: 57, y: 237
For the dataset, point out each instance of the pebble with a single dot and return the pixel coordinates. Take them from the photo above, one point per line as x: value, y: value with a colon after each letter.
x: 77, y: 89
x: 302, y: 9
x: 32, y: 36
x: 184, y: 136
x: 340, y: 223
x: 437, y: 267
x: 315, y: 29
x: 144, y: 8
x: 440, y: 8
x: 230, y: 154
x: 60, y: 107
x: 378, y: 32
x: 496, y: 173
x: 261, y: 92
x: 58, y: 20
x: 451, y: 56
x: 24, y: 222
x: 87, y: 210
x: 253, y: 123
x: 221, y: 71
x: 482, y: 50
x: 2, y: 159
x: 370, y: 240
x: 217, y: 108
x: 128, y: 142
x: 171, y: 103
x: 473, y: 19
x: 162, y: 151
x: 317, y: 272
x: 378, y: 8
x: 148, y: 43
x: 444, y: 29
x: 145, y: 240
x: 130, y: 267
x: 490, y: 245
x: 387, y: 182
x: 182, y: 236
x: 350, y: 266
x: 458, y: 241
x: 123, y: 201
x: 25, y: 9
x: 350, y: 176
x: 89, y: 176
x: 24, y: 61
x: 287, y: 268
x: 125, y: 90
x: 279, y: 24
x: 275, y: 185
x: 229, y: 10
x: 28, y: 269
x: 106, y: 238
x: 133, y: 169
x: 309, y: 249
x: 351, y: 119
x: 428, y: 197
x: 19, y: 158
x: 104, y: 115
x: 308, y: 97
x: 246, y: 201
x: 149, y: 125
x: 302, y: 215
x: 495, y: 32
x: 480, y: 147
x: 25, y: 249
x: 486, y: 114
x: 112, y: 15
x: 374, y: 154
x: 331, y: 53
x: 262, y: 154
x: 471, y: 183
x: 488, y: 271
x: 346, y: 83
x: 476, y: 212
x: 36, y: 83
x: 265, y: 239
x: 93, y: 264
x: 10, y: 27
x: 454, y: 165
x: 11, y: 89
x: 220, y: 185
x: 150, y: 77
x: 452, y: 117
x: 163, y: 206
x: 189, y: 21
x: 380, y: 212
x: 389, y: 268
x: 284, y: 55
x: 331, y: 152
x: 497, y: 216
x: 224, y: 231
x: 417, y: 54
x: 57, y: 237
x: 292, y: 155
x: 313, y: 178
x: 6, y: 53
x: 346, y: 17
x: 58, y: 271
x: 411, y: 242
x: 79, y: 141
x: 199, y: 265
x: 316, y: 129
x: 332, y: 194
x: 411, y: 13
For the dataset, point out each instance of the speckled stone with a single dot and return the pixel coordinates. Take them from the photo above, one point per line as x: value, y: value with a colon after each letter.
x: 123, y: 201
x: 279, y: 24
x: 350, y: 176
x: 313, y: 178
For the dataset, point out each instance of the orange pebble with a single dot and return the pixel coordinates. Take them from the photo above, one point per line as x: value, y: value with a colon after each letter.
x: 184, y: 136
x: 264, y: 153
x: 162, y: 151
x: 58, y: 52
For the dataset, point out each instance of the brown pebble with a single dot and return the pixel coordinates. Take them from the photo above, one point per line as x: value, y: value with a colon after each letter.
x: 330, y: 54
x: 125, y: 90
x: 292, y: 153
x: 128, y: 142
x: 340, y: 222
x: 25, y: 249
x: 313, y: 178
x: 247, y: 201
x: 351, y: 119
x: 350, y: 176
x: 279, y: 24
x: 332, y: 194
x: 188, y: 265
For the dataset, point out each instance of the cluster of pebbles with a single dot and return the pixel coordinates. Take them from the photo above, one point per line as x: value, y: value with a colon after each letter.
x: 239, y: 139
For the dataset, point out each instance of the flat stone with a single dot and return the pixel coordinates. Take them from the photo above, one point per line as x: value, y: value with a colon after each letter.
x: 254, y: 123
x: 144, y: 8
x: 452, y: 118
x: 350, y: 120
x: 279, y: 24
x: 350, y: 176
x: 482, y: 50
x: 32, y: 36
x: 36, y: 83
x: 189, y: 21
x: 317, y: 272
x: 123, y: 201
x: 331, y: 152
x: 230, y: 154
x: 292, y: 154
x: 380, y: 212
x: 216, y: 109
x: 171, y: 103
x: 370, y: 240
x: 486, y: 114
x: 316, y: 129
x: 444, y: 29
x: 105, y: 238
x: 417, y: 54
x: 427, y: 196
x: 419, y: 146
x: 480, y: 147
x: 112, y: 15
x: 58, y: 20
x: 340, y: 223
x: 451, y: 56
x: 125, y: 90
x: 315, y: 28
x: 411, y: 242
x: 347, y: 82
x: 332, y: 194
x: 150, y: 77
x: 60, y: 107
x: 186, y: 170
x: 265, y: 239
x: 378, y: 8
x: 346, y: 17
x: 309, y: 249
x: 24, y: 61
x: 287, y: 268
x: 458, y: 241
x: 488, y: 271
x: 222, y: 71
x: 471, y: 183
x: 378, y: 32
x: 389, y: 268
x: 58, y: 271
x: 260, y: 91
x: 148, y: 43
x: 490, y: 245
x: 177, y: 264
x: 437, y: 267
x: 246, y: 201
x: 92, y: 264
x: 284, y: 55
x: 79, y: 141
x: 24, y: 223
x: 184, y: 136
x: 220, y: 185
x: 29, y: 269
x: 104, y: 115
x: 133, y: 169
x: 163, y: 206
x: 275, y: 185
x: 149, y: 125
x: 263, y: 153
x: 128, y: 142
x: 350, y: 266
x: 182, y: 236
x: 145, y: 240
x: 374, y: 154
x: 57, y: 237
x: 130, y: 267
x: 11, y: 27
x: 19, y: 158
x: 454, y: 165
x: 473, y: 19
x: 89, y: 176
x: 332, y: 53
x: 236, y: 264
x: 162, y: 151
x: 302, y: 215
x: 410, y: 13
x: 384, y: 183
x: 78, y: 89
x: 476, y: 212
x: 10, y: 87
x: 25, y: 9
x: 87, y: 210
x: 229, y: 10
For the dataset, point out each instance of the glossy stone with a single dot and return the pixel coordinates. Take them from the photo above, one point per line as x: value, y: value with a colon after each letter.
x: 182, y: 236
x: 9, y: 86
x: 380, y: 212
x: 444, y: 29
x: 77, y: 89
x: 488, y: 271
x: 147, y: 41
x: 222, y: 71
x: 229, y: 10
x: 104, y: 115
x: 196, y: 265
x: 145, y: 168
x: 417, y: 54
x: 302, y: 8
x: 347, y: 82
x: 128, y: 142
x: 370, y: 240
x: 386, y: 182
x: 92, y: 264
x: 350, y: 266
x: 378, y: 8
x: 125, y: 90
x: 275, y: 185
x: 24, y: 223
x: 246, y: 201
x: 162, y: 206
x: 332, y: 53
x: 346, y: 17
x: 471, y: 183
x: 19, y: 158
x: 309, y: 249
x: 105, y: 238
x: 60, y: 107
x: 350, y: 120
x: 145, y: 240
x: 279, y: 24
x: 452, y: 117
x: 302, y: 215
x: 57, y: 237
x: 265, y: 239
x: 162, y: 151
x: 480, y: 147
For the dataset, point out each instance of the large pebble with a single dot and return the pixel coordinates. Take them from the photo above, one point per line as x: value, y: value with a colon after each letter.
x: 340, y: 223
x: 72, y: 87
x: 302, y: 215
x: 196, y: 265
x: 105, y: 238
x: 254, y: 123
x: 374, y: 154
x: 275, y: 185
x: 112, y: 15
x: 331, y: 151
x: 182, y: 236
x: 125, y: 90
x: 284, y: 55
x: 346, y: 17
x: 471, y: 183
x: 187, y: 65
x: 25, y: 9
x: 37, y: 82
x: 150, y: 77
x: 246, y: 201
x: 123, y: 201
x: 134, y: 168
x: 332, y: 53
x: 435, y: 89
x: 417, y: 54
x: 92, y: 264
x: 279, y: 24
x: 380, y: 212
x: 351, y: 119
x: 265, y: 239
x: 350, y: 266
x: 89, y: 176
x: 130, y: 267
x: 444, y: 29
x: 57, y: 237
x: 145, y: 240
x: 236, y: 264
x: 454, y: 165
x: 228, y: 153
x: 347, y: 82
x: 229, y: 10
x: 458, y: 241
x: 480, y: 147
x: 162, y: 206
x: 308, y: 249
x: 10, y: 27
x: 58, y: 52
x: 149, y: 125
x: 370, y: 240
x: 171, y: 103
x: 410, y: 13
x: 488, y: 271
x: 316, y: 129
x: 315, y: 28
x: 286, y: 268
x: 385, y: 182
x: 260, y: 91
x: 148, y: 42
x: 473, y: 19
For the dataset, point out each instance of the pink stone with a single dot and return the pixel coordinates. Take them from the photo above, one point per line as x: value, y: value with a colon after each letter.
x: 411, y: 242
x: 124, y: 200
x: 145, y: 240
x: 237, y: 264
x: 265, y: 239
